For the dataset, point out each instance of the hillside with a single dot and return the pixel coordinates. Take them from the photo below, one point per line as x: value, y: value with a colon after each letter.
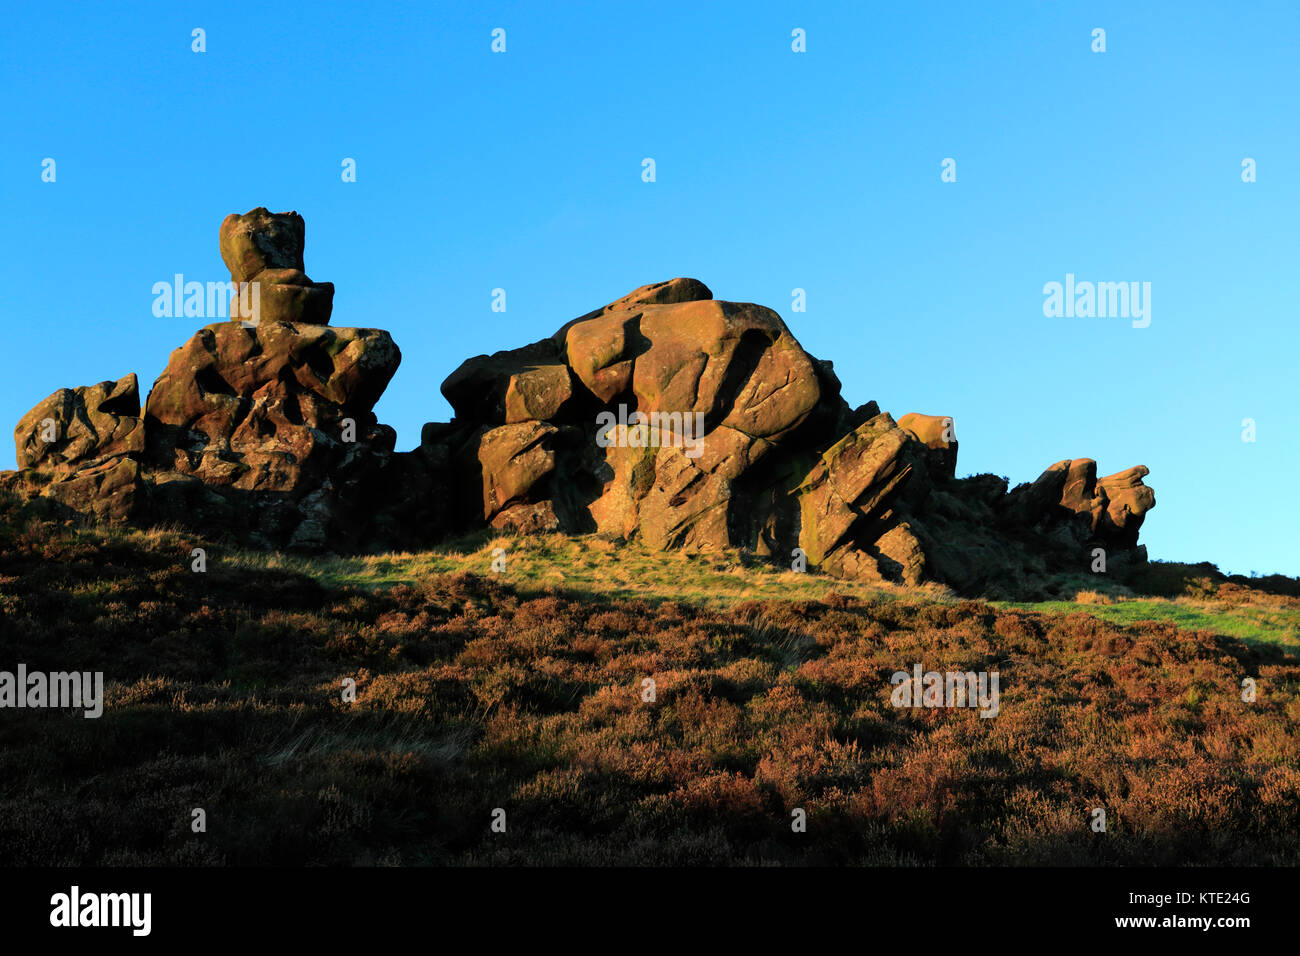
x: 522, y: 690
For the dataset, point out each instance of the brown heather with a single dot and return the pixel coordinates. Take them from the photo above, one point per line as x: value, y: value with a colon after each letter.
x: 224, y: 693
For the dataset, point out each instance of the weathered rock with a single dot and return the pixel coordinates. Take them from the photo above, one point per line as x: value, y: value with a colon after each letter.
x: 528, y: 518
x: 505, y: 463
x: 106, y: 488
x: 627, y: 474
x: 1127, y: 502
x: 277, y: 420
x: 936, y: 433
x: 81, y: 425
x: 527, y: 384
x: 727, y: 434
x: 80, y: 447
x: 900, y: 555
x: 266, y: 248
x: 735, y: 363
x: 686, y: 507
x: 855, y: 480
x: 656, y: 293
x: 267, y: 408
x: 1069, y: 496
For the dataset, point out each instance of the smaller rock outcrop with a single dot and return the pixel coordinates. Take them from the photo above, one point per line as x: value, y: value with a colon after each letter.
x: 81, y: 447
x: 936, y: 433
x: 1108, y: 510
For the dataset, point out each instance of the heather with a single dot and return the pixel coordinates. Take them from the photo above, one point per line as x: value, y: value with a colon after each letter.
x: 525, y: 691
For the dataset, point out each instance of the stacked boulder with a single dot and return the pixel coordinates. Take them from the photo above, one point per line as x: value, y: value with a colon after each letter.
x: 260, y: 427
x: 666, y: 416
x: 263, y: 251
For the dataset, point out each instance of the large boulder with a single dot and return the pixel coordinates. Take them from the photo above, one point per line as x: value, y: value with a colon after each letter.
x: 520, y: 385
x: 855, y: 481
x: 1069, y: 498
x: 735, y: 363
x: 262, y: 408
x: 277, y: 420
x: 1127, y: 502
x: 111, y: 488
x: 501, y: 466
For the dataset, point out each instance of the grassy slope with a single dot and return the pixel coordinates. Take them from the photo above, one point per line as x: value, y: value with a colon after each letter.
x: 522, y: 691
x: 1277, y: 625
x: 594, y: 566
x: 586, y: 565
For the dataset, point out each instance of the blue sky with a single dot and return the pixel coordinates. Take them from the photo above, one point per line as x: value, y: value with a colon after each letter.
x: 775, y: 170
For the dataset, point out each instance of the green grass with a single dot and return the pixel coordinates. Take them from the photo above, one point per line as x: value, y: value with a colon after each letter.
x: 1274, y: 626
x: 592, y: 566
x: 596, y: 567
x: 585, y: 566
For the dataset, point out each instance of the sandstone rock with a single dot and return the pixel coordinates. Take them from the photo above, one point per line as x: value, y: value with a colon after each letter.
x: 656, y: 293
x: 783, y: 461
x: 528, y: 518
x: 89, y: 462
x: 520, y: 385
x: 686, y: 507
x: 627, y: 474
x: 1109, y: 510
x: 504, y: 464
x: 736, y: 364
x: 268, y: 434
x: 88, y: 424
x: 266, y: 248
x: 1127, y: 502
x: 853, y: 564
x: 252, y: 407
x: 106, y: 488
x: 1030, y: 504
x: 277, y: 420
x: 900, y: 556
x: 854, y: 480
x: 937, y: 434
x: 601, y: 350
x: 1052, y: 524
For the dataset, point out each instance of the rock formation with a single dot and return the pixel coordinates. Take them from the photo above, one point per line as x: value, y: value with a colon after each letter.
x: 668, y: 416
x: 264, y: 249
x: 81, y: 447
